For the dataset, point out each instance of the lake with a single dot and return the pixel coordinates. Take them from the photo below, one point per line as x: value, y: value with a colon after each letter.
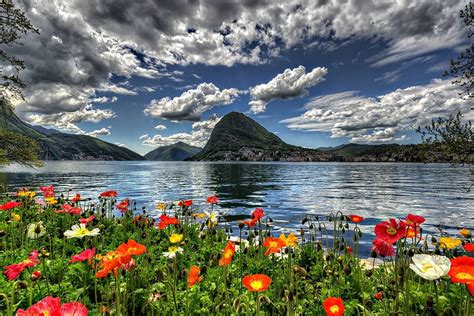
x: 286, y: 191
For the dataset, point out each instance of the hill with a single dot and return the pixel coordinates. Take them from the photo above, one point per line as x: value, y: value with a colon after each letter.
x: 237, y: 137
x: 175, y: 152
x: 61, y: 146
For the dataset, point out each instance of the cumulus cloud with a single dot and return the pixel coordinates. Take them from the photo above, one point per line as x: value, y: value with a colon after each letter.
x: 105, y: 131
x: 192, y: 103
x: 67, y: 121
x: 292, y: 83
x: 160, y: 127
x: 380, y: 119
x: 197, y: 137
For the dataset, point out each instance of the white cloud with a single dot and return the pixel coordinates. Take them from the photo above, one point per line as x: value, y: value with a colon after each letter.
x: 191, y: 104
x: 292, y: 83
x: 160, y: 127
x: 198, y: 137
x: 380, y: 119
x: 105, y: 131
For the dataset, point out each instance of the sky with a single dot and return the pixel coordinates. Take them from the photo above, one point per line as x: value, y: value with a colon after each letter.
x: 144, y: 74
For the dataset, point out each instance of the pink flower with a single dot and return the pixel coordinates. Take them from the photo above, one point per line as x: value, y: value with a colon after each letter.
x: 87, y: 254
x: 73, y: 309
x: 382, y: 247
x: 87, y: 220
x: 48, y: 191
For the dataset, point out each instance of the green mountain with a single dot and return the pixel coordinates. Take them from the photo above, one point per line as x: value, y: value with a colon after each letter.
x: 61, y: 146
x: 176, y: 152
x: 238, y: 137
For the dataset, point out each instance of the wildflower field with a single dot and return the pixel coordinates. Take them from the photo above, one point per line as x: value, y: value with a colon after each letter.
x: 65, y: 255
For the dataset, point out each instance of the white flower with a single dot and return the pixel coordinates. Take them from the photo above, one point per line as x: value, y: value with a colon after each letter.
x: 80, y: 231
x: 430, y: 267
x: 213, y: 217
x: 171, y: 253
x: 36, y: 230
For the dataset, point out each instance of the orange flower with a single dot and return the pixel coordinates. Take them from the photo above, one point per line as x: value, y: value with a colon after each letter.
x: 165, y: 220
x: 257, y: 214
x: 132, y: 248
x: 462, y: 270
x: 212, y: 199
x: 273, y: 245
x: 468, y: 247
x: 411, y: 233
x: 123, y: 206
x: 227, y: 255
x: 356, y: 218
x: 110, y: 193
x: 334, y: 306
x: 256, y: 282
x: 193, y: 276
x: 120, y: 258
x: 250, y: 222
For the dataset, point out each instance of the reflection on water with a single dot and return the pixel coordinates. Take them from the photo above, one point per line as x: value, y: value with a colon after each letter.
x: 287, y: 191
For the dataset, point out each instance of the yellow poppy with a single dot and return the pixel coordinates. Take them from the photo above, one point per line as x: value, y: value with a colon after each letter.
x: 176, y: 238
x: 449, y: 242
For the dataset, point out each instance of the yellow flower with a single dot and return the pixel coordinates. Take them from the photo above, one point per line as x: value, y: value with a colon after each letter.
x: 291, y: 240
x: 28, y: 194
x: 161, y: 206
x: 15, y: 217
x: 449, y: 242
x: 172, y: 251
x: 199, y: 215
x: 175, y: 238
x: 51, y: 201
x: 466, y: 233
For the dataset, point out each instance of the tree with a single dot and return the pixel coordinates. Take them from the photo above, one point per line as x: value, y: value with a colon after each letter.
x: 462, y: 68
x: 14, y: 147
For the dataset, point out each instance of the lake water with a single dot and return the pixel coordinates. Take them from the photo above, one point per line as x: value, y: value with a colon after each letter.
x: 286, y: 191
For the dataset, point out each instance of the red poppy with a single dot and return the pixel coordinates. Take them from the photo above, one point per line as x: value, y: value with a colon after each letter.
x: 165, y: 220
x: 193, y: 276
x: 110, y: 193
x: 333, y: 306
x: 73, y: 309
x: 212, y: 199
x: 257, y: 214
x: 48, y: 191
x: 77, y: 198
x: 250, y: 222
x: 14, y: 270
x: 391, y: 231
x: 378, y: 295
x: 382, y: 247
x: 349, y: 250
x: 87, y: 220
x: 228, y: 254
x: 47, y: 306
x: 356, y: 218
x: 123, y: 206
x: 273, y: 245
x: 469, y: 247
x: 462, y: 270
x: 67, y: 208
x: 9, y: 205
x: 470, y: 288
x: 256, y: 282
x: 87, y: 254
x: 414, y: 220
x: 185, y: 203
x: 35, y: 275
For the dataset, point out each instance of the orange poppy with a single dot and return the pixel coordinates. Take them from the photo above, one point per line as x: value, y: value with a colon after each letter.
x: 334, y: 306
x: 227, y: 255
x: 185, y: 203
x: 132, y: 248
x: 273, y: 245
x: 257, y: 214
x: 212, y: 199
x: 193, y: 276
x: 469, y: 247
x: 412, y: 233
x: 109, y: 193
x: 165, y: 220
x: 256, y: 282
x: 356, y: 218
x: 462, y: 270
x: 250, y: 222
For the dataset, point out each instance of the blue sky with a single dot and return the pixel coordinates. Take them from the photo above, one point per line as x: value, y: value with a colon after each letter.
x: 369, y: 76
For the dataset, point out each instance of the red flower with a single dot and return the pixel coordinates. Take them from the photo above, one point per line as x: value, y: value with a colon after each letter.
x: 9, y: 205
x: 185, y: 203
x: 257, y: 214
x: 14, y: 270
x: 349, y: 250
x: 73, y: 309
x: 227, y: 255
x: 48, y: 191
x: 382, y: 247
x: 413, y: 220
x: 273, y: 245
x: 87, y: 220
x: 470, y: 288
x: 193, y: 276
x: 87, y: 254
x: 35, y: 275
x: 256, y: 282
x: 212, y: 199
x: 123, y: 206
x: 390, y: 231
x: 333, y: 306
x: 67, y: 208
x: 50, y: 306
x: 356, y: 218
x: 469, y: 247
x: 250, y: 222
x: 462, y: 270
x: 165, y: 220
x: 110, y: 193
x: 378, y: 295
x: 77, y: 198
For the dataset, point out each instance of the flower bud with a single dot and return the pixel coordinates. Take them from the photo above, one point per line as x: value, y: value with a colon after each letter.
x: 35, y: 275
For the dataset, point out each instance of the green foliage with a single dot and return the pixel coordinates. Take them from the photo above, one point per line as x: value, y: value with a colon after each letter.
x: 462, y: 68
x: 176, y: 152
x: 17, y: 148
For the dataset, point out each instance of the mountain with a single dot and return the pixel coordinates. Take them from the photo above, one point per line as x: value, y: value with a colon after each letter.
x: 238, y: 137
x: 176, y: 152
x: 61, y: 146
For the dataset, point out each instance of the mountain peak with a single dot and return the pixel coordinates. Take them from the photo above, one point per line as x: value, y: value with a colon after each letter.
x: 176, y: 152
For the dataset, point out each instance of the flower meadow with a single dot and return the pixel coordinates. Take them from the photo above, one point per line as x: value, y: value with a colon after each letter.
x: 62, y: 254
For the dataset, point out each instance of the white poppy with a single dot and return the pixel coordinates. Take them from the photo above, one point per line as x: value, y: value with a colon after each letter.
x: 430, y: 267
